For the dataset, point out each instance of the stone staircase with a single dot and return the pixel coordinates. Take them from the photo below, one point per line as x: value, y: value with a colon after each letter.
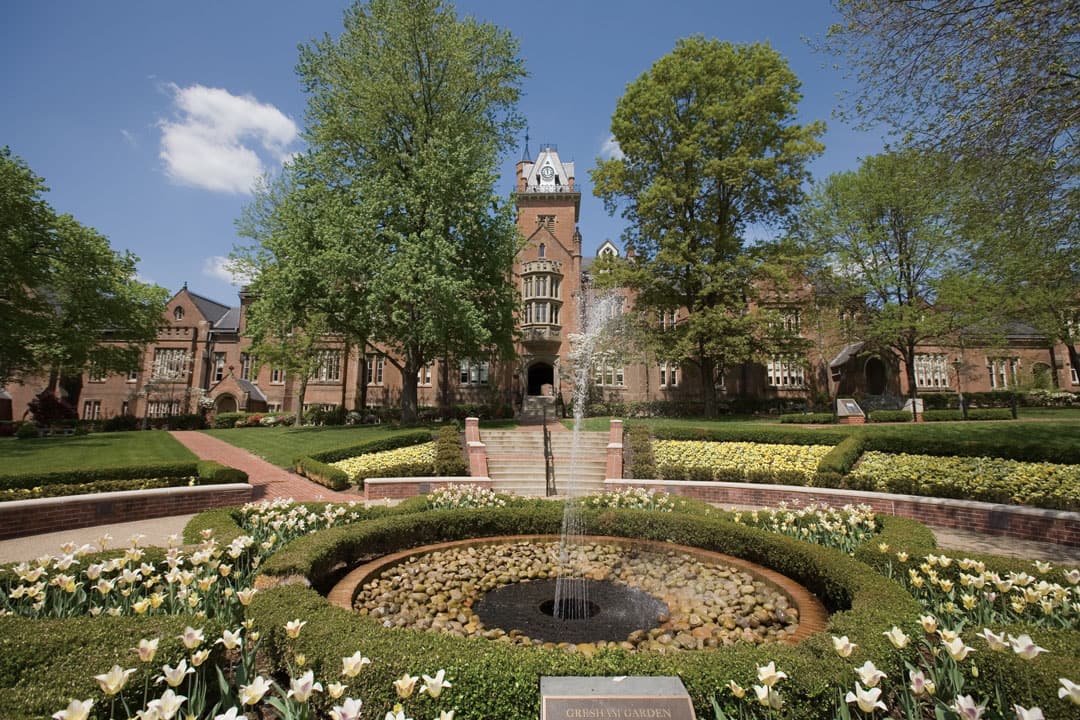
x: 515, y: 460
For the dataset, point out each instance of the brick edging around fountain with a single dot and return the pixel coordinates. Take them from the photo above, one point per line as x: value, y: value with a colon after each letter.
x: 1016, y: 521
x: 19, y: 518
x: 400, y: 488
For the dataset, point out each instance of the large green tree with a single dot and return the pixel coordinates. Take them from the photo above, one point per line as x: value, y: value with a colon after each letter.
x: 410, y: 110
x: 68, y: 301
x: 980, y: 77
x: 888, y: 232
x: 306, y: 276
x: 710, y: 147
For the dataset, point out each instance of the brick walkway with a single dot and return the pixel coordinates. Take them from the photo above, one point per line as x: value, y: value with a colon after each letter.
x: 269, y: 482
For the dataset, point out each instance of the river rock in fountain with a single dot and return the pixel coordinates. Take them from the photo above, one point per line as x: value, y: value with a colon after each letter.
x: 709, y: 605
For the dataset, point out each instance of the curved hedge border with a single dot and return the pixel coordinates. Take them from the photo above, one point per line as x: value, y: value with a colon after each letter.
x: 494, y: 681
x: 317, y: 467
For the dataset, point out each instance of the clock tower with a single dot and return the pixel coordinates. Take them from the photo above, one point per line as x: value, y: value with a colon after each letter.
x: 547, y: 272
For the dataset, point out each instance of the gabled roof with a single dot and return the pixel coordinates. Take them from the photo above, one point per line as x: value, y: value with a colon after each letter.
x: 229, y: 321
x: 211, y: 309
x: 251, y: 389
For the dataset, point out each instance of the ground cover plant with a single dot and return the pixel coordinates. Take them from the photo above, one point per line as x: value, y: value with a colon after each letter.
x: 26, y: 486
x: 101, y: 450
x: 411, y: 461
x: 1046, y: 485
x: 288, y: 653
x: 737, y: 461
x: 282, y: 445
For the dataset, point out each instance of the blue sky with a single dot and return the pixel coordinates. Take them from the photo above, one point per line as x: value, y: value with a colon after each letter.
x: 149, y: 119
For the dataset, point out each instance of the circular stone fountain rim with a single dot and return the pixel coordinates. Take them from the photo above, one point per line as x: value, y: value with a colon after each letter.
x: 813, y: 617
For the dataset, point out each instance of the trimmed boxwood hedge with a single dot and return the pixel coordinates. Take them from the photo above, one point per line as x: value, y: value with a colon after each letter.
x: 322, y: 473
x: 756, y: 434
x: 82, y: 481
x: 808, y: 419
x: 890, y: 416
x: 493, y: 681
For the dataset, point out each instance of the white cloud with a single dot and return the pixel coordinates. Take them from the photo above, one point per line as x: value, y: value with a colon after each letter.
x: 217, y: 267
x: 610, y: 150
x: 223, y: 142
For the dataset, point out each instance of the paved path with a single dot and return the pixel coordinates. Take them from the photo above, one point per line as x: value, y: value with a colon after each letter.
x: 269, y: 482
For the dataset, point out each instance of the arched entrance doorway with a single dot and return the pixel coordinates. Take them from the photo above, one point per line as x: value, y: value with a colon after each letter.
x: 875, y: 376
x: 539, y: 375
x: 225, y: 404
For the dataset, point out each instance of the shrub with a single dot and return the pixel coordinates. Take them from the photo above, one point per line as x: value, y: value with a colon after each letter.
x: 890, y: 416
x: 120, y: 423
x: 325, y: 415
x: 409, y: 461
x: 47, y: 409
x: 228, y: 420
x: 943, y: 415
x: 808, y: 418
x: 765, y: 434
x: 214, y: 473
x: 975, y: 478
x: 26, y: 430
x: 322, y: 473
x: 842, y: 457
x: 450, y: 460
x: 188, y: 421
x: 84, y: 475
x: 642, y: 462
x: 989, y: 414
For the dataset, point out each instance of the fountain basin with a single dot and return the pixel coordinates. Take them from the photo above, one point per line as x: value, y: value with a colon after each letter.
x: 663, y: 587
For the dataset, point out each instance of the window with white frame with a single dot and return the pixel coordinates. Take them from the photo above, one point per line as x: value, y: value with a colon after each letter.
x: 423, y: 376
x: 329, y: 368
x: 125, y: 407
x: 668, y: 319
x: 163, y: 408
x: 170, y: 363
x: 273, y: 407
x: 375, y: 365
x: 607, y: 373
x: 1002, y: 372
x: 669, y: 374
x: 791, y: 320
x: 247, y: 367
x: 219, y: 366
x: 1075, y: 377
x: 474, y: 372
x: 277, y: 376
x: 133, y: 375
x: 932, y: 371
x: 785, y: 371
x: 91, y: 409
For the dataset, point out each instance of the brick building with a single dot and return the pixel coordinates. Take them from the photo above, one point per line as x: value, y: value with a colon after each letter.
x: 201, y: 358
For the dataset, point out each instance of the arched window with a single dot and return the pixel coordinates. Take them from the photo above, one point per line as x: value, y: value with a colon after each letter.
x: 178, y: 313
x: 543, y: 250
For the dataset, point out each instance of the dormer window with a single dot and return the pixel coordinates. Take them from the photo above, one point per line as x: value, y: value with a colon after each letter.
x: 178, y: 313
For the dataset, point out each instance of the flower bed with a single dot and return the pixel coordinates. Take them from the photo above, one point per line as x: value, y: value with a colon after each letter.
x: 1045, y: 485
x: 28, y: 486
x: 737, y: 461
x: 407, y: 461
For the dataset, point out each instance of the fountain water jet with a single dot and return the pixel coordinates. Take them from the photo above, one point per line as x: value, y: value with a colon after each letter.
x: 571, y: 600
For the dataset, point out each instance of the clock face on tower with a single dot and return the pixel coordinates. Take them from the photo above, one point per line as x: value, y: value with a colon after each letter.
x: 547, y: 173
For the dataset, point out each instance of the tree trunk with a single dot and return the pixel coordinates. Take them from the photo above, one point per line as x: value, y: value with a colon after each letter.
x: 708, y: 385
x: 909, y: 367
x: 444, y: 388
x: 345, y: 372
x: 300, y: 402
x: 408, y: 393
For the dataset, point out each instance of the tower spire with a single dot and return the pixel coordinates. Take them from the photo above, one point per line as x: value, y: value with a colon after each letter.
x: 525, y: 151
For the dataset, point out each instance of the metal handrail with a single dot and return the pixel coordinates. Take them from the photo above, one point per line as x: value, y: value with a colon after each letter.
x: 549, y: 459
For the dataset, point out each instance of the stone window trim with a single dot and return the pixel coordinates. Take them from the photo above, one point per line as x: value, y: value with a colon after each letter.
x: 932, y: 371
x: 669, y: 374
x: 474, y: 372
x: 785, y: 371
x: 328, y: 370
x: 375, y: 367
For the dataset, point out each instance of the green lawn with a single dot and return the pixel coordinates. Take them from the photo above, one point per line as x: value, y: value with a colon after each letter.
x: 1050, y: 413
x: 91, y: 451
x: 282, y: 445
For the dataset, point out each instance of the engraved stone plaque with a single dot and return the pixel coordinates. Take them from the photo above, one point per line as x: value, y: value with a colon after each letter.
x: 614, y: 698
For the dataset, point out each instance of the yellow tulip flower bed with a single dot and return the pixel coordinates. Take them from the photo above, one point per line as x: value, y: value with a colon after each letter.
x: 1045, y: 485
x: 400, y: 462
x: 737, y: 461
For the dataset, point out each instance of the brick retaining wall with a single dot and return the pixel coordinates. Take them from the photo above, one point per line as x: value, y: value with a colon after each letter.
x: 30, y: 517
x: 1025, y: 523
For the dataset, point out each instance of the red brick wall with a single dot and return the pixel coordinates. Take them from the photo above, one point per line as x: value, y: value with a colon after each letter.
x: 1023, y: 523
x: 30, y: 517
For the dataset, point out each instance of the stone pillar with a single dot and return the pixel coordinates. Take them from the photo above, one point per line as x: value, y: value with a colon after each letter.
x: 477, y: 450
x: 614, y: 469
